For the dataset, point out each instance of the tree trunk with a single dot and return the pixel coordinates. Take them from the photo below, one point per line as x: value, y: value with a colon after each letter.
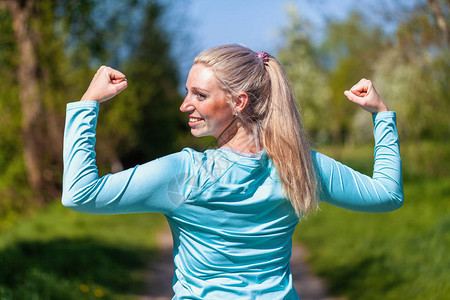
x: 441, y: 22
x: 29, y: 95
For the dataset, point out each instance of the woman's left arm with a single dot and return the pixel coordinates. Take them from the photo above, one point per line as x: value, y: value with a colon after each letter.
x: 347, y: 188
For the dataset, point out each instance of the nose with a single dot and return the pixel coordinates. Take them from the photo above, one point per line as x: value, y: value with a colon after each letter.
x: 186, y: 106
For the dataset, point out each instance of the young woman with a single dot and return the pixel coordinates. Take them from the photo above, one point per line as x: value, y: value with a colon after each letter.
x: 232, y: 210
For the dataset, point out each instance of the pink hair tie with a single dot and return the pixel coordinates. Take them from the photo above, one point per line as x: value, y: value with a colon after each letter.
x: 263, y: 56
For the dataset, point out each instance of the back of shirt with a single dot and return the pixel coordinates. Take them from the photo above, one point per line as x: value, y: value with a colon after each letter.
x: 232, y: 234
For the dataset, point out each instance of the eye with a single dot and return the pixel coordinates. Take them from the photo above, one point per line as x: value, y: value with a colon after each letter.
x: 201, y: 96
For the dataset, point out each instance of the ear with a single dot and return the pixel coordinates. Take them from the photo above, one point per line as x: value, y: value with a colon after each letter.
x: 240, y: 102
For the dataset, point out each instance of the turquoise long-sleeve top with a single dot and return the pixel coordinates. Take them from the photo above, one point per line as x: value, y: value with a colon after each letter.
x: 230, y: 221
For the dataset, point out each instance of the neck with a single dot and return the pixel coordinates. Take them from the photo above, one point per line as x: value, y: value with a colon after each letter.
x: 236, y: 137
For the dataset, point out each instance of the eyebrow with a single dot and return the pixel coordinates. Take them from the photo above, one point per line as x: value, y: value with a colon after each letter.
x: 198, y: 89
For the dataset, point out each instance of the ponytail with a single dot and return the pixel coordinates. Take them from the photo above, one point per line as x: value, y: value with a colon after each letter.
x: 286, y: 144
x: 271, y: 116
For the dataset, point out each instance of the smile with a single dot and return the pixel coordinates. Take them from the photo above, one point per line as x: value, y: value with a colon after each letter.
x: 194, y: 119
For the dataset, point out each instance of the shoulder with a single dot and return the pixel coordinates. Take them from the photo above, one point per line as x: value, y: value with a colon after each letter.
x: 206, y: 157
x: 323, y: 164
x: 192, y: 157
x: 319, y: 159
x: 206, y: 161
x: 191, y: 153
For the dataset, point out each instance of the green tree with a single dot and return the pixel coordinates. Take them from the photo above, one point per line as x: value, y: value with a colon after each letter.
x: 414, y: 73
x: 29, y: 95
x: 49, y: 51
x: 301, y: 61
x: 38, y: 65
x: 144, y: 121
x: 322, y: 71
x: 11, y: 154
x: 352, y: 47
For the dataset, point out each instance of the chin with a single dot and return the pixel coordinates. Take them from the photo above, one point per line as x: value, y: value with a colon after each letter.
x: 197, y: 133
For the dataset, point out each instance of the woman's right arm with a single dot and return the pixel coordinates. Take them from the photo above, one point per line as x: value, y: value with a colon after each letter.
x: 157, y: 186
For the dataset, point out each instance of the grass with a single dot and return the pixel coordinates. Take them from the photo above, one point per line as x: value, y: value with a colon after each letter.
x: 60, y: 254
x: 397, y: 255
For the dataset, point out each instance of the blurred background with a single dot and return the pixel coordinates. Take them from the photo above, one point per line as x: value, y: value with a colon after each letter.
x: 50, y: 50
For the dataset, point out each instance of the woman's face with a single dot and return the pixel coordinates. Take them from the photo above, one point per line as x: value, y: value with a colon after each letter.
x: 206, y: 104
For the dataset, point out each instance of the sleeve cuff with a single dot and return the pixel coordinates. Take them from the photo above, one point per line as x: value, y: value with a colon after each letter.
x: 81, y: 104
x: 383, y: 116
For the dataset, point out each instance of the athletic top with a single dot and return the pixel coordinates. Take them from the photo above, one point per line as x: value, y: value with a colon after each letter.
x: 231, y: 224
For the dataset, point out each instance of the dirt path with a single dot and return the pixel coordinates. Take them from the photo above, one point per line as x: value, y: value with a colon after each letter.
x: 309, y: 286
x: 160, y: 272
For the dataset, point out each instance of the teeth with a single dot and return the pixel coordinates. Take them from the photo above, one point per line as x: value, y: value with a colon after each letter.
x: 192, y: 119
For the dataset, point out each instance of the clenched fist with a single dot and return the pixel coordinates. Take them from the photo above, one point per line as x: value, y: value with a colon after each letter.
x: 106, y: 83
x: 364, y: 94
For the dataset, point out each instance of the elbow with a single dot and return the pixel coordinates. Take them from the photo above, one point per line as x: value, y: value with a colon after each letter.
x: 388, y: 204
x: 396, y: 202
x: 76, y: 202
x: 80, y: 195
x: 67, y: 200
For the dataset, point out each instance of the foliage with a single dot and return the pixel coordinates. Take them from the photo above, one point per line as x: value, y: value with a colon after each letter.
x: 320, y: 73
x: 147, y: 111
x: 423, y: 159
x: 352, y: 47
x: 409, y: 67
x: 418, y: 90
x: 310, y: 85
x: 13, y: 186
x: 59, y: 254
x: 71, y: 41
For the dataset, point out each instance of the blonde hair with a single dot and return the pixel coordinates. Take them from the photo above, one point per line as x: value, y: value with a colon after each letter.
x: 271, y: 116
